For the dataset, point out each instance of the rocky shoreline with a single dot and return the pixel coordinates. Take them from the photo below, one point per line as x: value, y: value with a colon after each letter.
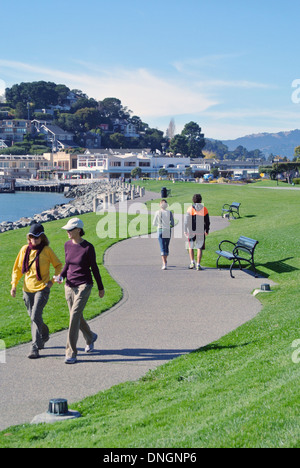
x: 82, y: 198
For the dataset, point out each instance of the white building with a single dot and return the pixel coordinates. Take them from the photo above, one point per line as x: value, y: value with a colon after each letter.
x: 116, y: 165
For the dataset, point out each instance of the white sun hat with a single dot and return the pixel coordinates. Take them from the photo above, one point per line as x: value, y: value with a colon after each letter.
x: 73, y: 224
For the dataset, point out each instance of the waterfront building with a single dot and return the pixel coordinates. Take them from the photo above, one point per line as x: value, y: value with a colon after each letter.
x: 119, y: 164
x: 23, y: 166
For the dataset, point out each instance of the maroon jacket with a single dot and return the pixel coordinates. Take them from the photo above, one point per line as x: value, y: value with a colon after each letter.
x: 80, y: 261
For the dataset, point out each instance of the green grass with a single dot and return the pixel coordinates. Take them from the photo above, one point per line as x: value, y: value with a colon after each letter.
x: 241, y: 391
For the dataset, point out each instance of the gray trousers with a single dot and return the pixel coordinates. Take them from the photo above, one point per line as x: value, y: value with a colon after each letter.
x: 35, y: 304
x: 77, y: 299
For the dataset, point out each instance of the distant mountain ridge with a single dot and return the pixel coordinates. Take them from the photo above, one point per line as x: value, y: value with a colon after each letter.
x: 280, y: 144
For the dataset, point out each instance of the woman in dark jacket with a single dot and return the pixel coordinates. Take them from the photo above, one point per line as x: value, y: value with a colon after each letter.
x: 80, y: 264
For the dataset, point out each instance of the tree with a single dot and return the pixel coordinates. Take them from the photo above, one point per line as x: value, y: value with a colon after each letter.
x: 117, y: 140
x: 153, y: 138
x: 112, y: 108
x: 196, y: 141
x: 215, y: 172
x: 40, y: 93
x: 171, y: 129
x: 21, y: 111
x: 136, y: 172
x: 188, y: 172
x: 297, y: 154
x: 88, y: 118
x: 84, y: 103
x: 179, y: 144
x: 163, y: 172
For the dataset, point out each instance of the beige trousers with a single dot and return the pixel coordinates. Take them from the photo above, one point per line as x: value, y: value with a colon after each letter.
x: 77, y: 299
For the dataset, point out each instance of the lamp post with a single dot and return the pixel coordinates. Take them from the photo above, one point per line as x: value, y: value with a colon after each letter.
x: 277, y: 169
x: 277, y: 161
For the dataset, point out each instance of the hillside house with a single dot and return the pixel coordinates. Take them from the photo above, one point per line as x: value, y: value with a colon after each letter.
x: 13, y: 131
x: 56, y: 137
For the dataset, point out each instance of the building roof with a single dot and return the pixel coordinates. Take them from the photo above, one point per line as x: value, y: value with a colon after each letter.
x: 56, y: 130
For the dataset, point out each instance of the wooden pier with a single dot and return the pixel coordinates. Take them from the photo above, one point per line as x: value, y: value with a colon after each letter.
x: 58, y: 188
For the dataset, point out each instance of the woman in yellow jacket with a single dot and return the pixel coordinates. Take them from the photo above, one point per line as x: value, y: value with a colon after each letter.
x: 34, y: 261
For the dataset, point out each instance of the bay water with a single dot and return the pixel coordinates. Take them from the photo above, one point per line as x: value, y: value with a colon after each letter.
x: 14, y: 206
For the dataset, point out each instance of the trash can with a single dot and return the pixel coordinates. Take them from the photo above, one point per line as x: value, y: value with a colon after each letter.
x: 164, y: 192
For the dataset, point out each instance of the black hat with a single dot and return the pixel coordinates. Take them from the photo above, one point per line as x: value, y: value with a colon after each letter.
x: 36, y: 230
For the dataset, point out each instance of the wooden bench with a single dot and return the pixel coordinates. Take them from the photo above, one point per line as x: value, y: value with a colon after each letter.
x: 233, y: 210
x: 243, y: 246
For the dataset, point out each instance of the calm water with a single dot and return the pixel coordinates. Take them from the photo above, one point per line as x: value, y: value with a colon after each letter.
x: 14, y: 206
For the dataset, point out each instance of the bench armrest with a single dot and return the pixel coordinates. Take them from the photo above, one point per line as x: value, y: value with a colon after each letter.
x: 226, y: 204
x: 228, y: 242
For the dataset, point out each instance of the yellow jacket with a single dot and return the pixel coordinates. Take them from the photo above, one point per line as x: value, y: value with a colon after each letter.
x: 31, y: 283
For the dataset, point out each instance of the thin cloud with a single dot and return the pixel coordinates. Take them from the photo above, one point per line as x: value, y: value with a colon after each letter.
x: 243, y: 84
x: 194, y: 65
x: 140, y: 89
x: 269, y: 114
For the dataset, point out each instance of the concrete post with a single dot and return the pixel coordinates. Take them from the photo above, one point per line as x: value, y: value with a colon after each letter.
x: 105, y: 201
x: 112, y: 198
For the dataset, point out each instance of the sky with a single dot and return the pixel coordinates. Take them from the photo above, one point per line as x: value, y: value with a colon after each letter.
x: 231, y: 66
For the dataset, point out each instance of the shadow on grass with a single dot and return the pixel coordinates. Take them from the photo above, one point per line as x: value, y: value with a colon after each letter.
x: 217, y: 347
x: 279, y: 266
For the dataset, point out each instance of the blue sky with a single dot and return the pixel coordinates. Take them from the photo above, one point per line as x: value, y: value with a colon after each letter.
x: 228, y: 65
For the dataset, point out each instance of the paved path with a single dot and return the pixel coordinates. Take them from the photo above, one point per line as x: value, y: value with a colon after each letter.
x: 163, y: 314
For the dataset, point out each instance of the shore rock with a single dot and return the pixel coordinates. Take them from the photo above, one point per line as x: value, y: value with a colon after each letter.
x: 81, y: 196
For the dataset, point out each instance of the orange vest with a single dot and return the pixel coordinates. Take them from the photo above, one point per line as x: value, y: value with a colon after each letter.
x: 192, y: 211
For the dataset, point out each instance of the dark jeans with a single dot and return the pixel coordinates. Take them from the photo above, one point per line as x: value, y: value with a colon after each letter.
x: 164, y: 243
x: 35, y: 304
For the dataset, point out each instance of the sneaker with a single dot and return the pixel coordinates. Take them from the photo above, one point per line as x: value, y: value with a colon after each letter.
x: 192, y: 266
x: 70, y: 360
x: 199, y: 267
x: 164, y: 267
x: 34, y: 354
x: 89, y: 348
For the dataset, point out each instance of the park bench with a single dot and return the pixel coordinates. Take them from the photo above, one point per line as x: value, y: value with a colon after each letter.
x: 232, y: 210
x: 241, y: 251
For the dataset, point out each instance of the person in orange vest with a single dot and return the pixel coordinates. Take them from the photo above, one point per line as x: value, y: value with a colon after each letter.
x: 196, y: 228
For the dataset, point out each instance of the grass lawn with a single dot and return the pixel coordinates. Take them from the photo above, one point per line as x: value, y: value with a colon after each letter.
x: 241, y: 391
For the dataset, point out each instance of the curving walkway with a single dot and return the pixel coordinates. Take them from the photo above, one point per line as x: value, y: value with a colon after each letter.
x: 163, y: 315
